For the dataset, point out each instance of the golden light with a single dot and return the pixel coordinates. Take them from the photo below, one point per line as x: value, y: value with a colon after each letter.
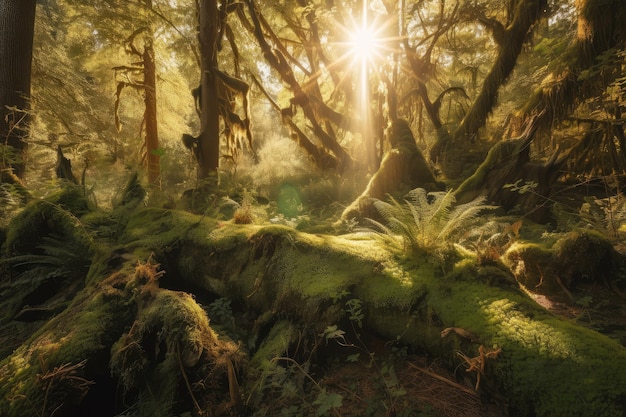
x: 364, y: 43
x: 367, y: 47
x: 365, y: 39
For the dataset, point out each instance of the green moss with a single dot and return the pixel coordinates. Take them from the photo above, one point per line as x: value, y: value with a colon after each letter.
x: 83, y: 331
x: 303, y: 275
x: 282, y: 335
x: 551, y: 363
x: 155, y: 229
x: 57, y: 214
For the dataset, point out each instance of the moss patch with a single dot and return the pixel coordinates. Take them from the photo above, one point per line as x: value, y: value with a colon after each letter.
x: 304, y: 276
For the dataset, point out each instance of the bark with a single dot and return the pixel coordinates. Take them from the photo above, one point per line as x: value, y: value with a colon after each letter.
x: 17, y: 23
x: 209, y: 139
x: 152, y: 133
x: 510, y: 41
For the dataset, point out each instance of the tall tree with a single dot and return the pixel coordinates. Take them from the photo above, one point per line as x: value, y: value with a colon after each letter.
x: 509, y: 36
x: 208, y: 141
x: 147, y: 85
x: 17, y: 23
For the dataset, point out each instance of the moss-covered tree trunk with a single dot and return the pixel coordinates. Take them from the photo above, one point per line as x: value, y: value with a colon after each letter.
x: 510, y: 40
x: 508, y: 178
x: 402, y: 169
x: 130, y: 341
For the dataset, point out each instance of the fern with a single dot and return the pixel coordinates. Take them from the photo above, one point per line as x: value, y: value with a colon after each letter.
x: 607, y: 216
x: 57, y: 261
x: 427, y: 221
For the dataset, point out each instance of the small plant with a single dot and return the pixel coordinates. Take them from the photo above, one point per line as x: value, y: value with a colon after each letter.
x: 243, y: 213
x: 607, y: 216
x: 491, y: 240
x: 355, y: 311
x: 386, y: 379
x: 427, y: 221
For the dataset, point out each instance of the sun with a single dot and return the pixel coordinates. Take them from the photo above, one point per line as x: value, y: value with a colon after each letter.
x: 364, y: 43
x: 365, y: 40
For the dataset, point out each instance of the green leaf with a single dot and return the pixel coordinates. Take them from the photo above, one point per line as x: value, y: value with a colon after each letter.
x: 333, y: 332
x: 353, y: 358
x: 326, y: 401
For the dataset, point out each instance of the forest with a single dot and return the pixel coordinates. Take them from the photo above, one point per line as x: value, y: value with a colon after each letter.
x: 312, y: 208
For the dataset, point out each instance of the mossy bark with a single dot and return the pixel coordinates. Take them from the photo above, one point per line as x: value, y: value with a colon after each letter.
x: 402, y: 169
x: 508, y: 178
x: 289, y: 287
x: 547, y: 367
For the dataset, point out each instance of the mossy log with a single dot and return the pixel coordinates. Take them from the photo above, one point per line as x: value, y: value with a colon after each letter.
x: 547, y: 366
x: 157, y: 344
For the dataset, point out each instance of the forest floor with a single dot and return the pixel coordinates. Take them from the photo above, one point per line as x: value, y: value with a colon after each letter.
x: 435, y: 389
x: 283, y: 334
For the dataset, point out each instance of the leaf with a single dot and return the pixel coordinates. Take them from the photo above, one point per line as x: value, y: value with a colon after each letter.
x: 353, y: 358
x: 333, y: 332
x: 326, y: 401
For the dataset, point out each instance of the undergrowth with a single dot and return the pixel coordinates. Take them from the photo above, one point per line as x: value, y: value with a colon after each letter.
x: 427, y: 221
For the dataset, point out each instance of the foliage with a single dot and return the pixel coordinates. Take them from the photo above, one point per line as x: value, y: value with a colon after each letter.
x: 57, y: 263
x: 607, y: 216
x: 490, y: 240
x: 427, y: 221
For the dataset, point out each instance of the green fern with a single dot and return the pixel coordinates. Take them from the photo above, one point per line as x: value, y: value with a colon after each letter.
x: 427, y: 221
x: 56, y: 262
x: 607, y: 216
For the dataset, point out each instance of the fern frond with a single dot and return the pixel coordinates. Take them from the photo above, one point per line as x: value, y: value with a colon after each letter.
x: 384, y: 233
x: 427, y: 221
x: 441, y: 205
x: 463, y: 215
x: 394, y: 216
x: 419, y: 223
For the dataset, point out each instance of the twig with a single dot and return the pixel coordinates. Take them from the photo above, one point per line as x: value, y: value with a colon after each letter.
x: 444, y: 379
x: 182, y: 371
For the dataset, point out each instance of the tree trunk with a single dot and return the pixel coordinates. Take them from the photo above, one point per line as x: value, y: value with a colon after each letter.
x: 208, y: 141
x: 401, y: 170
x: 150, y: 100
x: 508, y: 178
x: 600, y: 28
x: 510, y: 41
x: 17, y: 24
